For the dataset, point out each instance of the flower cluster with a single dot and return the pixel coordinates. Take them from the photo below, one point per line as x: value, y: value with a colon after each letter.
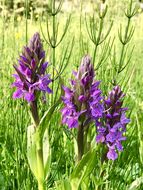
x: 30, y: 77
x: 83, y: 100
x: 111, y: 131
x: 84, y: 103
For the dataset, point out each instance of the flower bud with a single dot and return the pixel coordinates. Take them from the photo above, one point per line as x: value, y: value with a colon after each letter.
x: 85, y: 72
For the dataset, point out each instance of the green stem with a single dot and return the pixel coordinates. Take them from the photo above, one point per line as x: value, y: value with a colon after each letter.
x: 26, y: 24
x: 53, y: 44
x: 80, y: 142
x: 86, y: 142
x: 98, y: 39
x: 39, y: 147
x: 35, y: 114
x: 41, y: 186
x: 96, y: 188
x: 40, y: 164
x: 123, y: 45
x: 3, y: 28
x: 94, y: 55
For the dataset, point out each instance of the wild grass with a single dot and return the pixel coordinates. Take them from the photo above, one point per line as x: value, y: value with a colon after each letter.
x: 14, y: 119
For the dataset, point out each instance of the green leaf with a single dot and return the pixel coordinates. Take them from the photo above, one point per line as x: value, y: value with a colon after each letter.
x: 31, y: 150
x: 47, y: 117
x: 135, y: 184
x: 83, y: 162
x: 64, y: 185
x: 83, y: 169
x: 91, y: 164
x: 2, y: 181
x: 75, y: 183
x: 48, y: 114
x: 46, y: 154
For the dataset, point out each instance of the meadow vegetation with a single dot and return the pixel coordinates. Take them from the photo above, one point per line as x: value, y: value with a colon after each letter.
x: 117, y: 60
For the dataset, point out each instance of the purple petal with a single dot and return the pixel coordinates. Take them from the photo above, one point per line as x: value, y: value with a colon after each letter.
x: 43, y: 68
x: 108, y: 102
x: 119, y: 146
x: 101, y: 129
x: 111, y: 137
x: 96, y: 84
x: 42, y: 54
x: 74, y: 73
x: 124, y: 109
x: 17, y: 84
x: 33, y: 64
x: 73, y: 82
x: 22, y: 67
x: 24, y: 58
x: 27, y: 49
x: 16, y: 76
x: 29, y: 97
x: 72, y: 122
x: 100, y: 138
x: 48, y: 90
x: 43, y: 84
x: 108, y: 116
x: 18, y: 94
x: 124, y: 120
x: 68, y: 92
x: 116, y: 127
x: 112, y: 155
x: 82, y: 98
x: 28, y: 73
x: 122, y: 138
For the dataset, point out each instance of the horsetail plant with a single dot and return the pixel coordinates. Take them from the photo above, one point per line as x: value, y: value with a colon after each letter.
x: 30, y: 80
x: 95, y: 31
x: 54, y: 40
x: 124, y: 38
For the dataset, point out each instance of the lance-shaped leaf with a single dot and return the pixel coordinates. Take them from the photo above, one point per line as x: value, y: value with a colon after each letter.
x: 31, y: 150
x: 64, y: 185
x: 48, y: 114
x: 83, y: 169
x: 46, y: 154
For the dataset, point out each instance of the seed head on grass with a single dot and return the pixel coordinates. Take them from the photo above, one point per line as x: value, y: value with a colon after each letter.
x: 31, y: 74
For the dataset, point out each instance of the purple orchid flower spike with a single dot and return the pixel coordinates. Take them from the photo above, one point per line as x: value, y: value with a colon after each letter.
x: 31, y: 74
x: 84, y: 96
x: 111, y: 133
x: 83, y: 101
x: 31, y: 79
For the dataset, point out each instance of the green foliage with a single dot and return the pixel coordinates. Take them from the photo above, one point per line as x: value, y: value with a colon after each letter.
x: 118, y: 59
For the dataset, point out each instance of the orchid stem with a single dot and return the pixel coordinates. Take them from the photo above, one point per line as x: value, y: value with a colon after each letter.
x: 40, y: 164
x: 35, y: 114
x: 39, y: 147
x: 80, y: 141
